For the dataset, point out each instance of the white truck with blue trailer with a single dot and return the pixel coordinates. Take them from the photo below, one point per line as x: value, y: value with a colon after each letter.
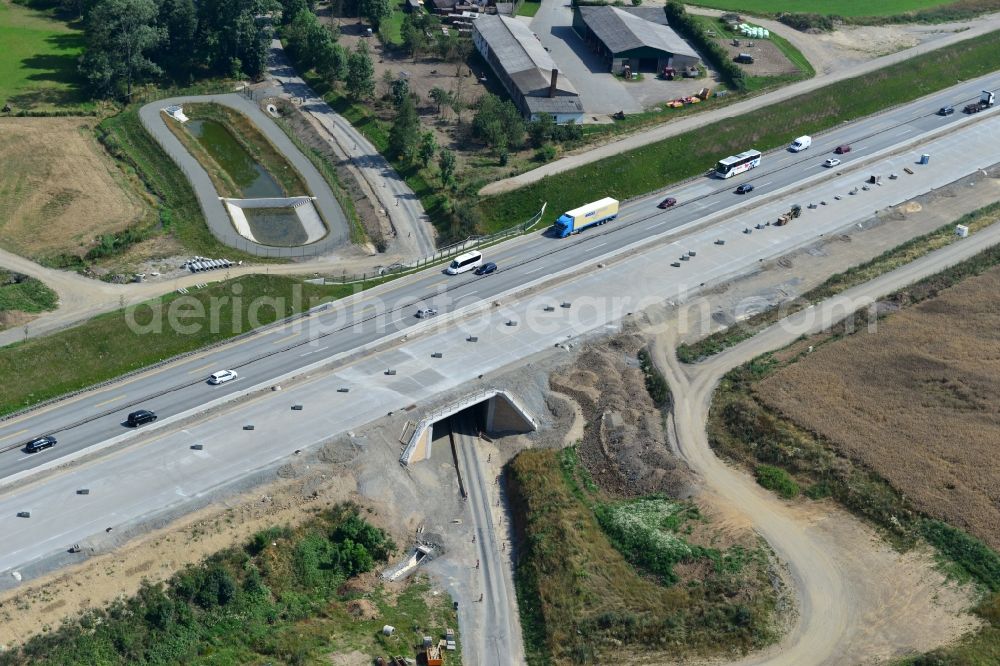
x: 592, y: 214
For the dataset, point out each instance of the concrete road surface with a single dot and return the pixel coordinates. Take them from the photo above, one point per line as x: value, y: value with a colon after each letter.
x: 705, y: 205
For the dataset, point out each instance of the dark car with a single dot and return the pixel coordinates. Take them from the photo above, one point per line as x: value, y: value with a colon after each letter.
x: 844, y: 148
x: 667, y: 203
x: 946, y: 111
x: 140, y: 417
x: 36, y: 445
x: 744, y: 188
x: 486, y: 268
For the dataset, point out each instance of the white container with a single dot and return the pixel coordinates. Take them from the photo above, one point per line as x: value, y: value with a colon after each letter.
x: 961, y: 231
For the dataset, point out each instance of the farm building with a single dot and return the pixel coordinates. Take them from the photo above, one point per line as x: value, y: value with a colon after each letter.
x: 526, y: 70
x: 635, y: 36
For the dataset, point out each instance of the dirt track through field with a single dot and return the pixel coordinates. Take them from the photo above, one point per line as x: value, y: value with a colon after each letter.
x: 858, y: 600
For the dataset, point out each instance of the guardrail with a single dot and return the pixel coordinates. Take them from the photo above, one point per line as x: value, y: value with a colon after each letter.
x: 471, y: 243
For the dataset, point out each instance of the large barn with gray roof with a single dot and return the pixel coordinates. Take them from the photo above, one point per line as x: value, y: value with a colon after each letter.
x: 639, y: 37
x: 525, y: 68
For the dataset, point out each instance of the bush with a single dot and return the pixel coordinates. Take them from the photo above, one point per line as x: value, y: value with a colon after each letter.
x: 656, y: 384
x: 546, y: 153
x: 804, y: 22
x: 777, y: 480
x: 972, y: 555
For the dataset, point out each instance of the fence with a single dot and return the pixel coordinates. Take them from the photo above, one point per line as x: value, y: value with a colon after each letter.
x: 471, y: 243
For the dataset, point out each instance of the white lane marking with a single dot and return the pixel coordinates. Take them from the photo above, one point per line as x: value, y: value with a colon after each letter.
x: 652, y: 227
x: 906, y: 131
x: 535, y: 270
x: 314, y: 351
x: 766, y: 184
x: 600, y: 245
x: 470, y: 293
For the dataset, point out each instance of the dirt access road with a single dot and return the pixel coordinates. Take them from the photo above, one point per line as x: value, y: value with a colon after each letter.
x: 853, y: 608
x: 827, y: 73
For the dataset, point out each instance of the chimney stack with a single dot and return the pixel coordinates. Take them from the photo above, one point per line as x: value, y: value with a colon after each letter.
x: 552, y: 85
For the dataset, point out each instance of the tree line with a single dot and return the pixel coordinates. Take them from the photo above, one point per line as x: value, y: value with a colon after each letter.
x: 133, y: 42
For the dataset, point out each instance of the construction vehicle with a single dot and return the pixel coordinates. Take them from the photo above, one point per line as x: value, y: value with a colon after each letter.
x: 785, y: 218
x: 986, y: 100
x: 578, y: 219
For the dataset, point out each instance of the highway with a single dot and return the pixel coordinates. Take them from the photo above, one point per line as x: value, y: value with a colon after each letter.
x: 159, y: 472
x: 387, y: 311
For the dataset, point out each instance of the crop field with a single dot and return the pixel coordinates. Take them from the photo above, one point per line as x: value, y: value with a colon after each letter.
x: 38, y: 60
x: 834, y: 7
x: 915, y: 401
x: 59, y: 188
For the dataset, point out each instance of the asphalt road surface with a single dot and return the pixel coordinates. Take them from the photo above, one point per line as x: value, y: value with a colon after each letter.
x: 966, y: 144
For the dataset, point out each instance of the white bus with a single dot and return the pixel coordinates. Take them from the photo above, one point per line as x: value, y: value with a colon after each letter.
x: 469, y: 261
x: 737, y: 163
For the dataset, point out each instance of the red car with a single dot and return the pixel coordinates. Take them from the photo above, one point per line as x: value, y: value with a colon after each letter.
x: 667, y: 203
x: 840, y: 150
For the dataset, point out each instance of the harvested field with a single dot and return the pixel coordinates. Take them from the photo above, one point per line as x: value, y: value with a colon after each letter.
x: 916, y: 402
x: 59, y: 189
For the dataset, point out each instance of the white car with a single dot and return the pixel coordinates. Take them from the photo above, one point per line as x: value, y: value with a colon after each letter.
x: 425, y: 313
x: 222, y: 376
x: 831, y: 162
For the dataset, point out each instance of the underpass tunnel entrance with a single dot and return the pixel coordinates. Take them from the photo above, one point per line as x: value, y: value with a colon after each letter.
x: 493, y: 412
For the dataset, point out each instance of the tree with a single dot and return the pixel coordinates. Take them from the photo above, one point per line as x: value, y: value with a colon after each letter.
x: 331, y: 61
x: 415, y: 30
x: 375, y: 11
x: 360, y: 80
x: 404, y: 133
x: 119, y: 35
x: 232, y: 40
x: 541, y: 130
x: 440, y: 97
x: 400, y: 90
x: 428, y: 146
x: 178, y: 50
x: 498, y: 123
x: 446, y: 162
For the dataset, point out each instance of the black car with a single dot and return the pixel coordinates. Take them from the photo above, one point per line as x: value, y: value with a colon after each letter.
x: 667, y: 203
x: 140, y: 417
x: 946, y: 111
x: 36, y: 445
x: 486, y: 268
x: 744, y: 188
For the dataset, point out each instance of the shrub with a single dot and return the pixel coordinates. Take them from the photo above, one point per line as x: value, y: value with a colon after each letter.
x: 968, y: 552
x: 778, y: 480
x: 656, y: 384
x: 804, y: 22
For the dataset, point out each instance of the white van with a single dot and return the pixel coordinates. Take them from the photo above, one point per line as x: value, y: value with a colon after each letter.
x: 800, y: 144
x: 469, y: 261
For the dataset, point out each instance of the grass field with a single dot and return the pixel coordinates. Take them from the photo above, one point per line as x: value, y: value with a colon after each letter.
x: 106, y: 347
x: 287, y: 595
x: 835, y: 7
x: 25, y: 294
x: 38, y: 60
x: 903, y: 254
x: 529, y: 8
x: 60, y: 191
x: 649, y: 168
x: 615, y: 581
